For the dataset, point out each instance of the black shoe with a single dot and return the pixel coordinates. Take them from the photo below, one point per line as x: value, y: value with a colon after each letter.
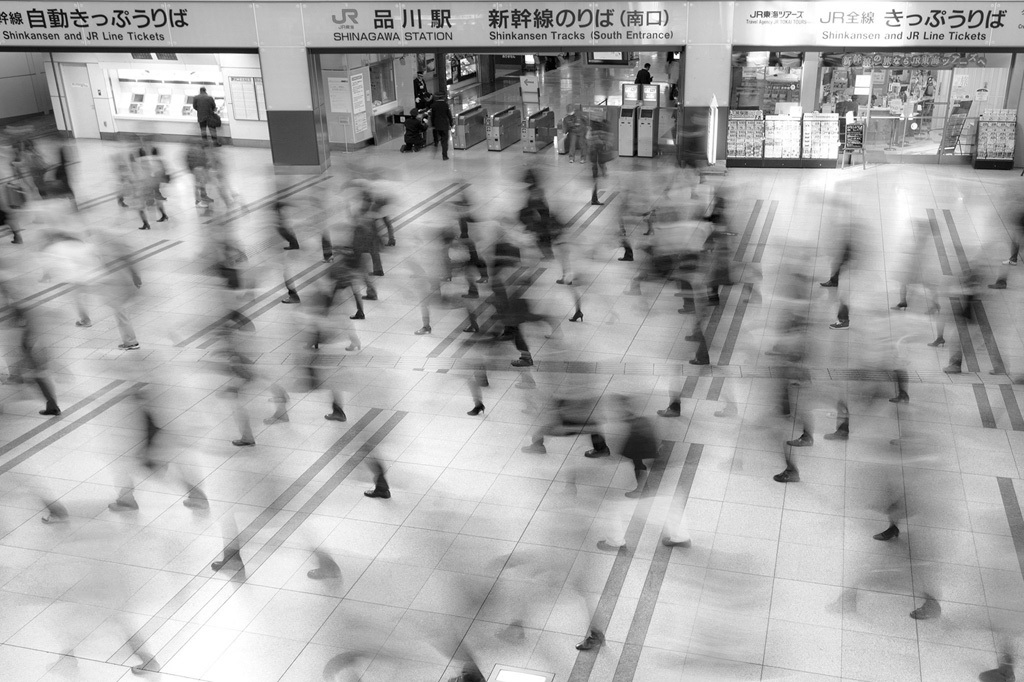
x: 938, y: 343
x: 50, y: 411
x: 162, y: 219
x: 422, y: 331
x: 358, y: 316
x: 444, y: 158
x: 928, y: 610
x: 901, y: 398
x: 382, y: 494
x: 291, y: 300
x: 471, y: 294
x: 788, y: 476
x: 145, y: 226
x: 804, y: 441
x: 889, y: 533
x: 593, y: 640
x: 686, y: 310
x: 477, y: 410
x: 838, y: 434
x: 523, y: 362
x: 291, y: 248
x: 228, y: 563
x: 627, y: 258
x: 829, y: 284
x: 840, y: 324
x: 370, y: 297
x: 337, y: 415
x: 595, y: 202
x: 997, y: 285
x: 1004, y: 673
x: 243, y: 443
x: 377, y: 273
x: 391, y: 242
x: 902, y: 305
x: 577, y: 316
x: 597, y: 452
x: 669, y: 412
x: 700, y: 361
x: 471, y: 329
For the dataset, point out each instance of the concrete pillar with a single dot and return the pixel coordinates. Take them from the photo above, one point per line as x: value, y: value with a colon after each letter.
x: 708, y: 65
x: 809, y: 82
x: 295, y: 113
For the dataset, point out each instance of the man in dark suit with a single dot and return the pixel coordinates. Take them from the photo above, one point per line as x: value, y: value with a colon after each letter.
x: 442, y: 120
x: 643, y: 76
x: 206, y: 108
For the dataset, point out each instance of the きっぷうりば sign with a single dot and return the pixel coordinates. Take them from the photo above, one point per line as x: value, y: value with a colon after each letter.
x: 471, y: 24
x: 879, y: 24
x: 126, y: 24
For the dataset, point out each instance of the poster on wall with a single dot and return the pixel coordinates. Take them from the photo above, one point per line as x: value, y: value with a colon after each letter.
x: 875, y: 24
x: 117, y: 24
x: 358, y: 93
x: 360, y: 123
x: 337, y: 95
x: 562, y: 25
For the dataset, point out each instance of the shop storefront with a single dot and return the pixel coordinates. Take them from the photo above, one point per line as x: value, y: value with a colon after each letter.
x: 923, y: 83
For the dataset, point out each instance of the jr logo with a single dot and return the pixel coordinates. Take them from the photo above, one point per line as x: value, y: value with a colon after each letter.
x: 349, y: 18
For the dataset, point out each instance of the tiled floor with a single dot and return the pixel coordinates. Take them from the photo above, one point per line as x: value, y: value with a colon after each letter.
x: 484, y: 551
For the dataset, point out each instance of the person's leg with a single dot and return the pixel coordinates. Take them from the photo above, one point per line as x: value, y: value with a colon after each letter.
x: 390, y: 229
x: 675, y: 398
x: 203, y: 129
x: 444, y: 145
x: 380, y: 483
x: 842, y: 431
x: 124, y: 325
x: 46, y: 388
x: 280, y: 399
x: 525, y: 358
x: 360, y: 315
x: 378, y: 267
x: 600, y: 448
x: 476, y: 384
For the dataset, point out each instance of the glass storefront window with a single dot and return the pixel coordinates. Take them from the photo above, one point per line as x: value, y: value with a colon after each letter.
x: 162, y: 93
x: 382, y: 83
x: 924, y: 104
x: 769, y: 81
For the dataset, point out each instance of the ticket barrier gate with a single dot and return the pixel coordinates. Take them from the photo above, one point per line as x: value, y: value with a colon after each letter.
x: 503, y: 128
x: 470, y: 127
x: 539, y: 131
x: 647, y: 133
x: 627, y: 131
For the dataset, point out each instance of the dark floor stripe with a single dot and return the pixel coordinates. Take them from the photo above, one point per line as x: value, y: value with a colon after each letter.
x: 689, y: 386
x: 991, y: 346
x: 450, y: 338
x: 762, y: 241
x: 267, y: 200
x: 940, y: 247
x: 725, y: 357
x: 416, y: 206
x: 593, y: 216
x: 585, y: 660
x: 182, y: 597
x: 435, y: 201
x: 329, y: 486
x: 988, y: 335
x: 54, y: 437
x: 963, y: 331
x: 64, y: 416
x: 988, y: 420
x: 715, y: 390
x: 43, y: 292
x: 1013, y: 516
x: 637, y: 635
x: 272, y: 293
x: 1012, y: 407
x: 748, y: 231
x: 68, y: 288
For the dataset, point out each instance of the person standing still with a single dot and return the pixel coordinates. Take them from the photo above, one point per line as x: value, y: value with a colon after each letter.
x: 442, y: 120
x: 206, y: 109
x: 643, y: 76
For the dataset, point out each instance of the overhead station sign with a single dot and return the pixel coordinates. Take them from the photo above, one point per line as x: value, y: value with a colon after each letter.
x: 879, y: 24
x: 481, y: 24
x: 125, y: 24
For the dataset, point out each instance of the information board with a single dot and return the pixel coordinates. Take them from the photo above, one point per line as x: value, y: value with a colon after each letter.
x: 954, y: 127
x: 854, y: 137
x: 243, y: 98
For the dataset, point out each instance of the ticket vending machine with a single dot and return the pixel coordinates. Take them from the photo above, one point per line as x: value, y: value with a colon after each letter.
x: 647, y: 122
x: 628, y: 119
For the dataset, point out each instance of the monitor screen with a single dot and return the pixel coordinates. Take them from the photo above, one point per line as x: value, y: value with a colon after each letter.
x: 630, y: 91
x: 138, y: 97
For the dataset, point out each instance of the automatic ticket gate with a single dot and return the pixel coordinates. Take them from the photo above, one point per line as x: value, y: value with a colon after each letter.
x: 538, y: 131
x: 647, y: 133
x: 503, y: 128
x: 470, y: 127
x: 627, y: 130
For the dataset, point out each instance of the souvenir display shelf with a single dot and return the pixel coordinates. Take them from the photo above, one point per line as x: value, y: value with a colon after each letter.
x: 996, y: 138
x: 820, y: 140
x: 745, y: 141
